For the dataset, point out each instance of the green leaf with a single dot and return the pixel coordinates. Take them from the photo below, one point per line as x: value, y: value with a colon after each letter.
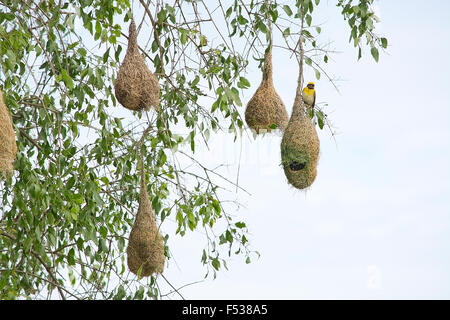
x: 230, y: 9
x: 71, y: 257
x: 222, y: 239
x: 233, y: 95
x: 215, y: 105
x: 80, y: 243
x: 308, y: 61
x: 82, y: 51
x: 287, y: 9
x: 320, y: 121
x: 117, y: 54
x: 183, y: 37
x: 121, y: 293
x: 242, y: 20
x: 274, y: 15
x: 354, y: 34
x: 240, y: 225
x: 236, y: 97
x: 229, y: 236
x: 308, y: 19
x: 203, y: 41
x: 7, y: 16
x: 307, y: 34
x: 67, y: 79
x: 74, y: 212
x: 243, y: 83
x: 192, y: 136
x: 317, y: 74
x: 102, y: 244
x: 384, y: 43
x: 154, y: 46
x: 262, y: 27
x: 103, y: 232
x: 70, y: 182
x: 286, y: 32
x: 215, y: 263
x: 375, y: 54
x: 106, y: 55
x: 216, y: 206
x: 195, y: 81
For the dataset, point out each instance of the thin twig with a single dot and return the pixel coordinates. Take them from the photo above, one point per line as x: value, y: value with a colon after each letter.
x: 161, y: 52
x: 172, y: 287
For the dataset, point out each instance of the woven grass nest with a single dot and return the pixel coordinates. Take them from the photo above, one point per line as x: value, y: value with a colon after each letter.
x: 145, y: 250
x: 300, y: 148
x: 8, y: 147
x: 266, y: 108
x: 136, y: 87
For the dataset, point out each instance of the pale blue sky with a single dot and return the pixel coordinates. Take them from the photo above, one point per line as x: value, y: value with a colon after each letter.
x: 376, y: 222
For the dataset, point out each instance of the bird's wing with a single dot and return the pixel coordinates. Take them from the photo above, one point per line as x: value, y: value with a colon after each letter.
x: 314, y: 100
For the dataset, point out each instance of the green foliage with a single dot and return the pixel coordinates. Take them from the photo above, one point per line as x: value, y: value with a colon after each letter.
x: 293, y: 154
x: 66, y: 213
x: 362, y: 19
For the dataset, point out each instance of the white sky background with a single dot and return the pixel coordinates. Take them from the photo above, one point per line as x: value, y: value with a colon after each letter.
x: 376, y: 222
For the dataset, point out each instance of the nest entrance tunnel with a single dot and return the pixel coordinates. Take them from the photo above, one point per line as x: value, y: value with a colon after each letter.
x: 297, y: 166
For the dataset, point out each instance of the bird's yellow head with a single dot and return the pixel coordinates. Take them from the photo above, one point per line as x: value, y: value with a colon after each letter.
x: 310, y: 85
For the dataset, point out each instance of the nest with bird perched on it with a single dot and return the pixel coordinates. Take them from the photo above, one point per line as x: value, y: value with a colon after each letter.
x: 8, y: 147
x: 145, y: 250
x: 300, y: 145
x: 300, y: 148
x: 136, y: 87
x: 266, y: 110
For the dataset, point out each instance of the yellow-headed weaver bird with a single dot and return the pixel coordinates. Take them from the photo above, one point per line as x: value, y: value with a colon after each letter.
x: 309, y: 95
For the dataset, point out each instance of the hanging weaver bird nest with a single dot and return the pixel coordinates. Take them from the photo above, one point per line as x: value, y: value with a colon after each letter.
x: 300, y: 148
x: 145, y: 251
x: 8, y: 147
x: 265, y: 108
x: 136, y: 87
x: 300, y: 145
